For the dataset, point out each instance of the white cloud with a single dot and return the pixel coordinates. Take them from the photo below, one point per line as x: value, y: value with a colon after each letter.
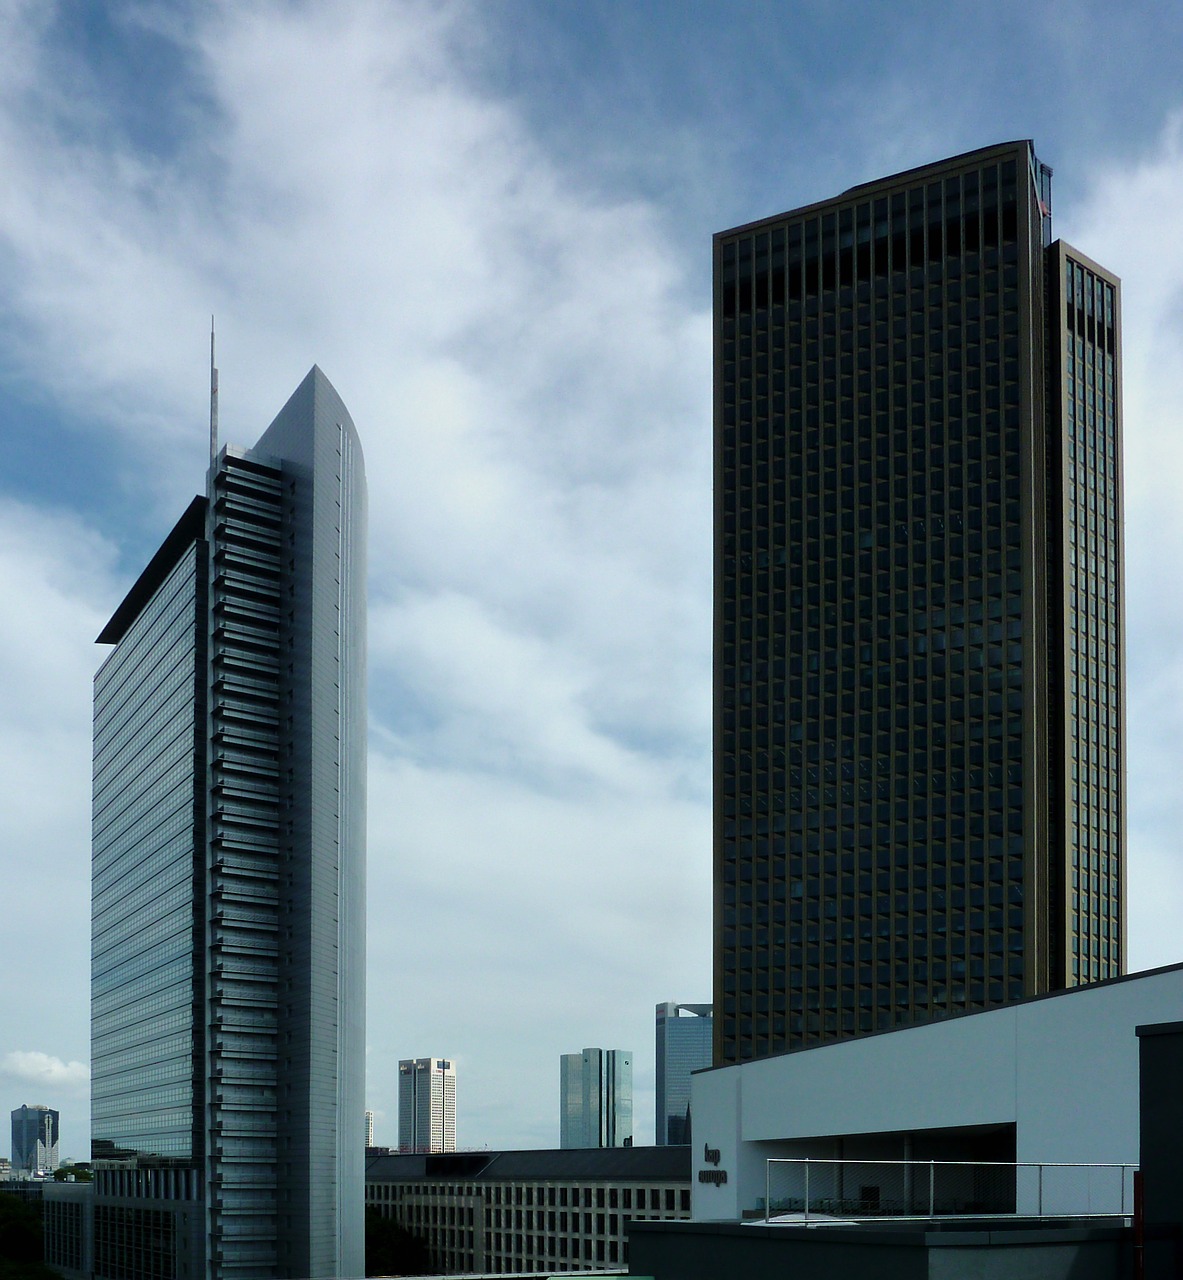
x: 1129, y: 221
x: 33, y: 1067
x: 531, y: 385
x: 531, y: 390
x: 55, y: 575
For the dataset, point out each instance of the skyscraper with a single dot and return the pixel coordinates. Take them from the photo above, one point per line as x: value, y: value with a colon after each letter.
x: 919, y: 668
x: 596, y: 1098
x: 228, y: 925
x: 34, y: 1139
x: 684, y: 1042
x: 426, y: 1105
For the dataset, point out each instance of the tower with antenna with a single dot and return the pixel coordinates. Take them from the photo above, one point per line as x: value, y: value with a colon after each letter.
x: 213, y: 398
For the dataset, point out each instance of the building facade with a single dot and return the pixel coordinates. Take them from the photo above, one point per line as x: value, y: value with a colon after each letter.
x: 684, y: 1044
x: 919, y: 667
x: 67, y: 1216
x: 228, y: 873
x: 426, y: 1105
x: 514, y: 1211
x: 596, y: 1098
x: 35, y: 1139
x: 1051, y: 1080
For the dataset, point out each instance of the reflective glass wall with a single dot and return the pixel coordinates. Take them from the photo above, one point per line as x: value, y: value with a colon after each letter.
x: 148, y: 846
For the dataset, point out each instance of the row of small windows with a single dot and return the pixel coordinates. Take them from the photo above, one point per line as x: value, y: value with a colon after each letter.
x: 834, y: 985
x: 517, y: 1238
x: 813, y: 369
x: 896, y: 1006
x: 1090, y: 306
x: 893, y: 322
x: 612, y: 1196
x: 870, y: 239
x: 762, y: 878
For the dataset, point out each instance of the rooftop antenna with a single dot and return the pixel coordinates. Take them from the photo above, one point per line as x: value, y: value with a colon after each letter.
x: 213, y: 398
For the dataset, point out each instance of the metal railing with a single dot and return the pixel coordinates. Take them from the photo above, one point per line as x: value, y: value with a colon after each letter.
x: 881, y: 1189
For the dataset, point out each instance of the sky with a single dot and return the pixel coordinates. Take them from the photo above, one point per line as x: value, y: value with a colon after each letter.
x: 490, y: 225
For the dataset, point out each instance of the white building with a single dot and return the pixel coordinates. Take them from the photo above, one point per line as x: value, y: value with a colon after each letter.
x: 426, y: 1105
x: 1052, y: 1079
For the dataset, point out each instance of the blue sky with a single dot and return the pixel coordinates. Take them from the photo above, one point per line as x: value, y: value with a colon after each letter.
x: 490, y: 226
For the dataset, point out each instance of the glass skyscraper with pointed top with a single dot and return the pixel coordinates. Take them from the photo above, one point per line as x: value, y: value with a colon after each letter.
x: 228, y: 910
x: 919, y: 623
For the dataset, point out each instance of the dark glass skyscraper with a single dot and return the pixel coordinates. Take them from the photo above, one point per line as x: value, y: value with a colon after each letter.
x: 683, y: 1045
x: 35, y: 1139
x: 228, y: 912
x: 919, y: 737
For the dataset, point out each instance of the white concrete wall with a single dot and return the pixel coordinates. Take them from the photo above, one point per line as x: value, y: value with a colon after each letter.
x: 1063, y: 1070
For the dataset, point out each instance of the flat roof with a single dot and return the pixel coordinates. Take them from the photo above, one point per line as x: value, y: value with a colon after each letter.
x: 952, y: 1017
x: 888, y: 181
x: 593, y: 1164
x: 187, y: 530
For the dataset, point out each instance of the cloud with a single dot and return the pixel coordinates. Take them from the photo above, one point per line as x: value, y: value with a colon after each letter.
x: 58, y: 578
x: 1128, y: 221
x: 528, y: 363
x: 531, y: 386
x: 35, y: 1068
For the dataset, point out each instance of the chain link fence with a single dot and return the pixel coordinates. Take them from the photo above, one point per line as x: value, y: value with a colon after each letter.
x: 944, y: 1188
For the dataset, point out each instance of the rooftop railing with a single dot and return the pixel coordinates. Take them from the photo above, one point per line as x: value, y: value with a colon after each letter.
x: 819, y: 1189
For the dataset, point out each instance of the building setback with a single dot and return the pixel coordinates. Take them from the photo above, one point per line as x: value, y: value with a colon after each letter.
x: 596, y: 1098
x: 919, y: 671
x: 426, y: 1105
x: 514, y: 1211
x: 228, y: 907
x: 683, y: 1043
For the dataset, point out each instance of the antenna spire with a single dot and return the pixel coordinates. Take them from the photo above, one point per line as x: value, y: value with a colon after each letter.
x: 213, y: 398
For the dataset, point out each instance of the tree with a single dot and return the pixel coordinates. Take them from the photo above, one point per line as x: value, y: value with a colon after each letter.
x: 20, y: 1230
x: 392, y: 1250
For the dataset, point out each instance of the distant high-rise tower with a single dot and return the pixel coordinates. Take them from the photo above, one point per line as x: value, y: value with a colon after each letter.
x: 684, y: 1041
x: 919, y: 669
x: 228, y: 912
x: 369, y: 1128
x: 34, y: 1139
x: 596, y: 1098
x: 426, y: 1105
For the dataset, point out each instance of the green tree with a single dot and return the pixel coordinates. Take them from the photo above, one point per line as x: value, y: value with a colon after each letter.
x: 392, y: 1250
x: 20, y: 1230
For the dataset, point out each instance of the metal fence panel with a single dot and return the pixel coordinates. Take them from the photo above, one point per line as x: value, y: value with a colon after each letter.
x: 944, y: 1188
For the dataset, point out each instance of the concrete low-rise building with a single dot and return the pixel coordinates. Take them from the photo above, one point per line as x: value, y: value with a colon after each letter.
x: 507, y: 1211
x: 1052, y: 1079
x: 67, y: 1215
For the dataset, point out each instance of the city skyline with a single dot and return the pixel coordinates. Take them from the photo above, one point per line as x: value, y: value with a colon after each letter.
x: 492, y: 229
